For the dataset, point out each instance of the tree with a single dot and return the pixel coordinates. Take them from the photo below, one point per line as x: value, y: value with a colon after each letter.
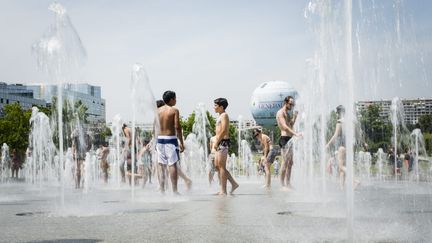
x: 73, y: 114
x: 377, y: 130
x: 187, y: 125
x: 15, y: 128
x: 425, y: 123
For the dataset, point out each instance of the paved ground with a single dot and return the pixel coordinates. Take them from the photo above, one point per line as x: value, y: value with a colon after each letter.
x: 384, y: 212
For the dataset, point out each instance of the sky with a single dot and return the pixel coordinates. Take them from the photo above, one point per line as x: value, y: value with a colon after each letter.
x: 200, y: 49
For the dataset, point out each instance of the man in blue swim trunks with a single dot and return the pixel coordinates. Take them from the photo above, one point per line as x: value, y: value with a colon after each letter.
x: 168, y: 146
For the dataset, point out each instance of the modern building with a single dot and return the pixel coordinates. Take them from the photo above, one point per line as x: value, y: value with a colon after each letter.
x: 413, y: 108
x: 244, y: 124
x: 89, y: 95
x: 18, y: 93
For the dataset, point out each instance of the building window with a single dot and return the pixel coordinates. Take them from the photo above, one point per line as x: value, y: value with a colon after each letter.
x: 1, y: 101
x: 7, y: 101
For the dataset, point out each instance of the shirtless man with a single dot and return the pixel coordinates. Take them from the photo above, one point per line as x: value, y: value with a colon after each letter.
x: 170, y: 134
x: 221, y: 146
x: 285, y: 123
x: 269, y: 154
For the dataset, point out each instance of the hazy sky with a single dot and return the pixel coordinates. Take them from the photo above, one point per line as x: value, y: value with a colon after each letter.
x: 200, y: 49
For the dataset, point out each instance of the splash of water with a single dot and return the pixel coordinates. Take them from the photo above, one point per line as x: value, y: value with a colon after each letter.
x: 41, y: 151
x: 144, y: 110
x: 59, y: 53
x: 5, y: 163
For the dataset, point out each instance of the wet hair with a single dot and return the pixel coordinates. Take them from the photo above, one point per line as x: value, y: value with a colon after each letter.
x: 222, y: 102
x: 159, y: 103
x: 168, y: 95
x: 286, y: 100
x: 124, y: 125
x: 256, y: 132
x: 340, y: 109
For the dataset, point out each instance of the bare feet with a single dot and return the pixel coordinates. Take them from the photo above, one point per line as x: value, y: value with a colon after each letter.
x: 287, y: 188
x: 220, y: 194
x: 356, y: 184
x: 189, y: 184
x: 234, y: 187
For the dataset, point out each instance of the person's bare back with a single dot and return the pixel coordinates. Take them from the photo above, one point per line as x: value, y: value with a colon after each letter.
x: 167, y: 120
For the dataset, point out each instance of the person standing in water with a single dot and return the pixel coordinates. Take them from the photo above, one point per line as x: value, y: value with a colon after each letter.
x: 269, y: 154
x: 285, y: 123
x: 170, y: 134
x: 104, y: 162
x: 221, y: 146
x: 340, y: 140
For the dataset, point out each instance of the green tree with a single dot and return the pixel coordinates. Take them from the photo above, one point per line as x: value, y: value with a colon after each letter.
x: 428, y: 142
x: 377, y: 130
x: 15, y: 128
x: 72, y: 115
x: 425, y: 123
x: 187, y: 125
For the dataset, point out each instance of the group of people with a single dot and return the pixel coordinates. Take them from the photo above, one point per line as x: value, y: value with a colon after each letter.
x: 169, y: 143
x: 161, y: 155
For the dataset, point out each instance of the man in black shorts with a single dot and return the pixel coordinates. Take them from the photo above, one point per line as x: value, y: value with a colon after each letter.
x: 285, y: 118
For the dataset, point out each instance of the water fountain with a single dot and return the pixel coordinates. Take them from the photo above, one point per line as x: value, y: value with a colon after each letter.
x: 364, y: 163
x: 41, y: 167
x: 246, y: 160
x: 5, y: 163
x: 400, y: 132
x: 193, y: 157
x: 203, y: 134
x: 380, y: 163
x: 115, y: 148
x: 418, y: 148
x: 360, y: 49
x: 60, y: 52
x: 143, y: 109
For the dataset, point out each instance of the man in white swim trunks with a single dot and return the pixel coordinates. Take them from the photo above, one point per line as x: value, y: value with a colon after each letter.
x: 170, y: 134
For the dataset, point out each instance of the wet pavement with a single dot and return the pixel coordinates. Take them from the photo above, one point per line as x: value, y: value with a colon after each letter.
x: 383, y: 212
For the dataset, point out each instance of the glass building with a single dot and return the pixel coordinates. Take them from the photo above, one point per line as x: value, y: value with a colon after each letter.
x: 89, y: 95
x: 18, y: 93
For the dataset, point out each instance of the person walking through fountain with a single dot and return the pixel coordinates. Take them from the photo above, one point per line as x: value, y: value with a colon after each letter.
x: 80, y: 145
x: 180, y: 173
x: 269, y: 154
x: 16, y: 163
x: 104, y: 151
x: 285, y: 122
x: 144, y: 161
x: 170, y: 134
x: 221, y: 146
x: 126, y: 151
x: 340, y: 140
